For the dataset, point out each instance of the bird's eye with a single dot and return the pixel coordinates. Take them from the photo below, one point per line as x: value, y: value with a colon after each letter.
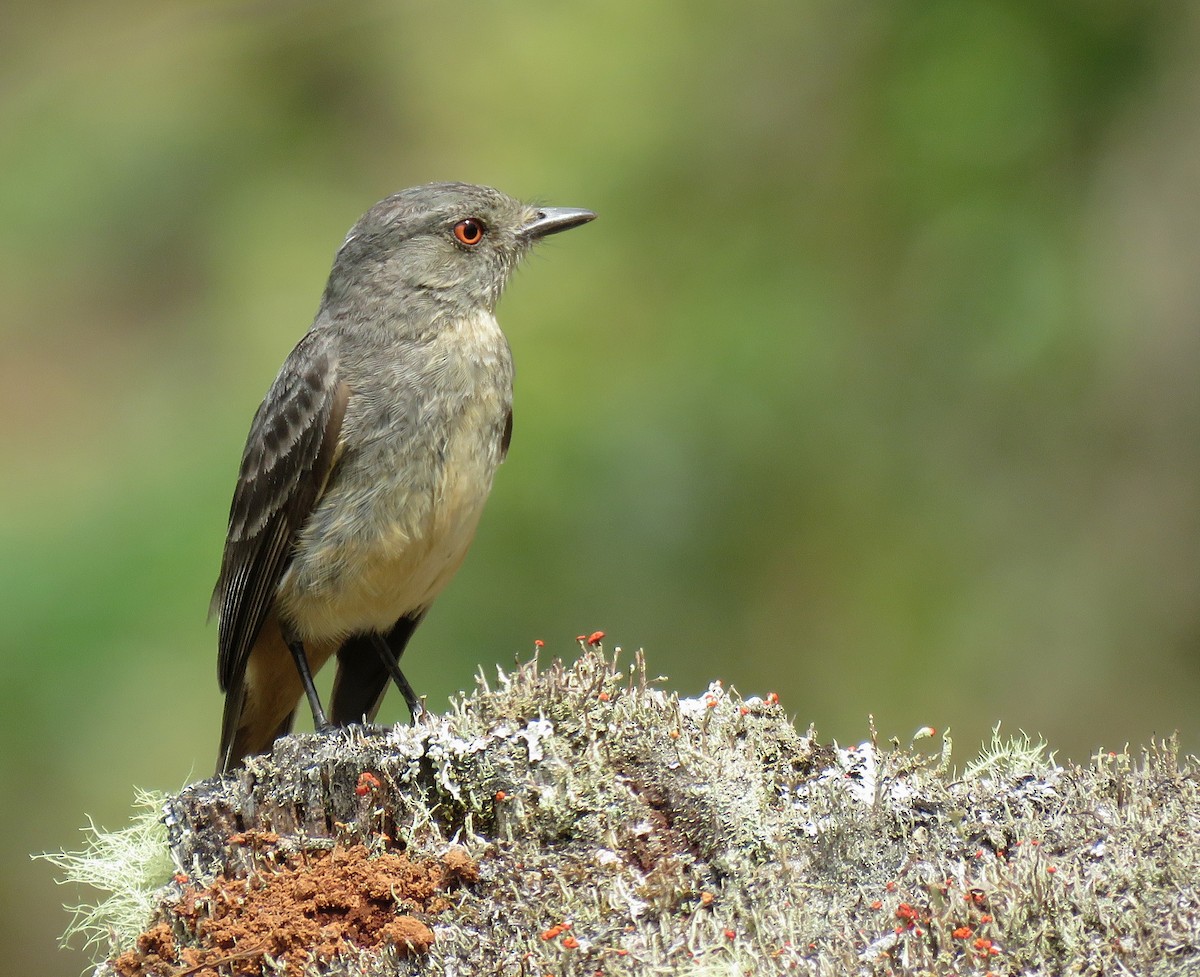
x: 468, y: 232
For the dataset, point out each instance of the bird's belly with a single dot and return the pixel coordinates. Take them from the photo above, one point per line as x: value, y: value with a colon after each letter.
x: 379, y: 581
x: 377, y: 553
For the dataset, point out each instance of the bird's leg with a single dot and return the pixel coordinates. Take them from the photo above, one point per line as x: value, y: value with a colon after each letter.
x: 392, y: 664
x: 320, y: 721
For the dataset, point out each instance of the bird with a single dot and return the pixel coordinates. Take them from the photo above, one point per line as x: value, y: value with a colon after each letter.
x: 368, y: 463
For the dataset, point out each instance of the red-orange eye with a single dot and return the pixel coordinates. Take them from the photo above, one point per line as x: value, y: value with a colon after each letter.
x: 468, y: 232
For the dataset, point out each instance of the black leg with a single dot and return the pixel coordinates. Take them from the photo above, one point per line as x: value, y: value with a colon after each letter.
x: 366, y: 669
x: 392, y: 664
x: 320, y: 722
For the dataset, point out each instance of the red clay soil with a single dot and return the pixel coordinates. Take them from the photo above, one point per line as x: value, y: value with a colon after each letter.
x: 313, y: 907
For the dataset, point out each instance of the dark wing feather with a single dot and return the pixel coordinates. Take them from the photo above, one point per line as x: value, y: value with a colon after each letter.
x: 288, y: 458
x: 506, y: 437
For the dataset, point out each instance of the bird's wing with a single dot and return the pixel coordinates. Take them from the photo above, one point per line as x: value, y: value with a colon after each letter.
x: 289, y: 456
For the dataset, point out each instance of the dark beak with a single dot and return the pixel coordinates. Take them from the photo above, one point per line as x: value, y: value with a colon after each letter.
x: 551, y: 220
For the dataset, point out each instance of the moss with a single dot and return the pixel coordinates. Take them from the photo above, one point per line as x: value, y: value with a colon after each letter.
x: 618, y: 828
x: 130, y: 865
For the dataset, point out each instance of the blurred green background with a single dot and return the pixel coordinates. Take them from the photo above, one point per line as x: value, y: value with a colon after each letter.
x: 876, y: 383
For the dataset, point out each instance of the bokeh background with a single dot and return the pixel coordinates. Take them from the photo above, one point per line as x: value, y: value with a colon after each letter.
x: 876, y: 384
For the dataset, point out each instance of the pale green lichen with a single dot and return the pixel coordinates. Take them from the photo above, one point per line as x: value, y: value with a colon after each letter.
x: 131, y: 865
x: 1006, y: 758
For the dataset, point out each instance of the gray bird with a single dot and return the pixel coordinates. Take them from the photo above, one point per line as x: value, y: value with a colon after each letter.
x: 369, y: 461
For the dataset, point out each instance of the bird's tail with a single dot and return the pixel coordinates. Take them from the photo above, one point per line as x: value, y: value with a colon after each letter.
x: 261, y: 705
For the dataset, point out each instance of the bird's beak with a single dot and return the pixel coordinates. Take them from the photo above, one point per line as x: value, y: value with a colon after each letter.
x: 551, y: 220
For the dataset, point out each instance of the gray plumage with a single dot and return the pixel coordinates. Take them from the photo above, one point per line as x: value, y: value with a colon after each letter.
x: 368, y: 462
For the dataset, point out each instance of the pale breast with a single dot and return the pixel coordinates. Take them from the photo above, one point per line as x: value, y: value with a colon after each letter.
x: 399, y: 515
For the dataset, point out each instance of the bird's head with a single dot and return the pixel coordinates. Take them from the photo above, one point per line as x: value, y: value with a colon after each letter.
x: 452, y: 245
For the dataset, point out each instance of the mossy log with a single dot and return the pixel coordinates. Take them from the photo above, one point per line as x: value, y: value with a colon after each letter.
x: 579, y: 820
